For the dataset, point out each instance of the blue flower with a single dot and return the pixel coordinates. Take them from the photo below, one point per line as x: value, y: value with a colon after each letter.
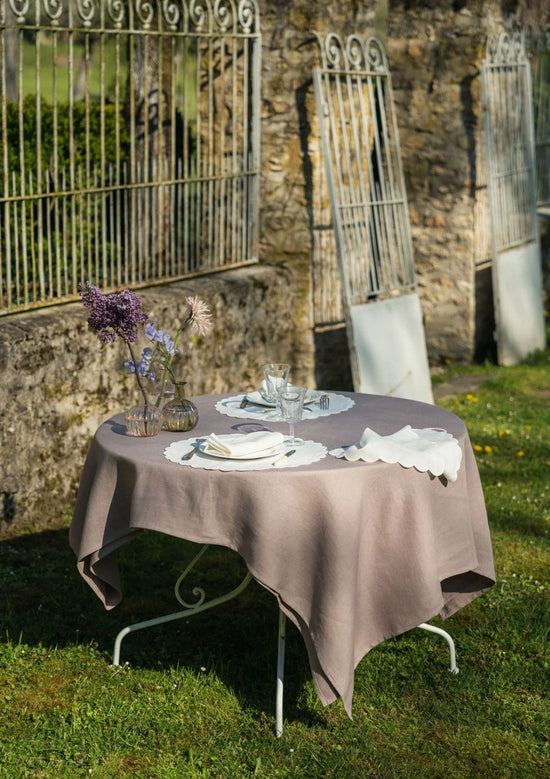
x: 162, y: 338
x: 151, y: 331
x: 144, y: 367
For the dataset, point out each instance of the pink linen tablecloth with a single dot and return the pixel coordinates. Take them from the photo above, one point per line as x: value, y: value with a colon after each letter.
x: 355, y: 552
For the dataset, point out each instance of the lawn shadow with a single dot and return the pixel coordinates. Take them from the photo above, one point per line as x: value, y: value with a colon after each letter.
x: 47, y: 603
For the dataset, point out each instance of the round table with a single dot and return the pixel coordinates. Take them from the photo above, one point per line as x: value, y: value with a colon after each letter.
x: 355, y: 553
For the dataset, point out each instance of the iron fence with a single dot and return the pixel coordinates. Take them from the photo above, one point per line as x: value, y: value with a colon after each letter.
x: 364, y: 171
x: 539, y: 46
x: 129, y: 143
x: 511, y: 163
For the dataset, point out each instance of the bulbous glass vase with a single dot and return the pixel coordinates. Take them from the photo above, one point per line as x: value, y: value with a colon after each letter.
x: 144, y: 419
x: 180, y: 414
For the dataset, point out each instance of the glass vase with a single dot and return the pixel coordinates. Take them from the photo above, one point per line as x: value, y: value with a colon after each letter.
x: 161, y: 392
x: 144, y: 419
x: 180, y: 414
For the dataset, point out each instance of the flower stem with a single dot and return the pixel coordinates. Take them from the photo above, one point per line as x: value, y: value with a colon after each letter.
x: 168, y: 366
x: 139, y: 381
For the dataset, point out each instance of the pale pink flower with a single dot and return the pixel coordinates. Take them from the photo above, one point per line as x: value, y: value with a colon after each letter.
x: 199, y: 314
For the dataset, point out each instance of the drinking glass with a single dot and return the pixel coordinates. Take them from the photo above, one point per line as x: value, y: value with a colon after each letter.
x: 276, y: 376
x: 291, y: 405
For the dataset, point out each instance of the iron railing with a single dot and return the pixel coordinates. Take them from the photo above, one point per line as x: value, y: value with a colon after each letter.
x: 539, y: 46
x: 364, y: 170
x: 129, y: 143
x: 511, y: 164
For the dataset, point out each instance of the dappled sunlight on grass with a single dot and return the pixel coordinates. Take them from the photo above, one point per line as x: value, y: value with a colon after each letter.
x: 196, y: 698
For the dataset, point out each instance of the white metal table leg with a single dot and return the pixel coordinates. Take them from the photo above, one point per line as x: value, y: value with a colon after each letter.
x: 280, y: 675
x: 191, y: 609
x: 453, y: 666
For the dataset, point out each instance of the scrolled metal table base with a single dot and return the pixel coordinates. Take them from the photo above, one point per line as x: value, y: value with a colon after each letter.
x: 201, y: 604
x: 190, y: 609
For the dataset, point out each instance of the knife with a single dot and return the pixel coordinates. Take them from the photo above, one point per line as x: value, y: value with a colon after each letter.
x: 282, y: 457
x: 195, y: 448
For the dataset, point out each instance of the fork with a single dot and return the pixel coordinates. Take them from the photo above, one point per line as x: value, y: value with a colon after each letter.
x: 324, y: 402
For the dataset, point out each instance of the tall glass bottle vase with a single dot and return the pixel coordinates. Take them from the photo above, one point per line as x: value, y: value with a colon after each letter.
x: 144, y: 419
x: 180, y: 414
x: 162, y: 391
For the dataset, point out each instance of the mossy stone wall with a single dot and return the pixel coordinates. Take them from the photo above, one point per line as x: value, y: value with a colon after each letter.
x: 57, y: 383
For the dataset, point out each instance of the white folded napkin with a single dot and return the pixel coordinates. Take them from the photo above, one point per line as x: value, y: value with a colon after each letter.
x: 243, y: 444
x: 426, y: 449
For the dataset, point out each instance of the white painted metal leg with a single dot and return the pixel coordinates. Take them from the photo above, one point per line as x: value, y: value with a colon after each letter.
x: 453, y: 666
x: 280, y: 675
x: 190, y: 609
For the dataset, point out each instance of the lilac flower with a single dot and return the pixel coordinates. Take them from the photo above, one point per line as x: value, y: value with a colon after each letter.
x: 117, y: 315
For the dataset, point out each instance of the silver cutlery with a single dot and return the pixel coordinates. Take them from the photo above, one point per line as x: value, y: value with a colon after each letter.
x: 244, y: 402
x: 280, y: 459
x: 194, y: 450
x: 324, y: 402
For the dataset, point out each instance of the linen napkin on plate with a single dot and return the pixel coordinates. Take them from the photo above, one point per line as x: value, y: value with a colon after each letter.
x: 426, y: 449
x: 243, y: 444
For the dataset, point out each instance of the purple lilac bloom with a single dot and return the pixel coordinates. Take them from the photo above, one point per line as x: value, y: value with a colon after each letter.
x: 115, y: 315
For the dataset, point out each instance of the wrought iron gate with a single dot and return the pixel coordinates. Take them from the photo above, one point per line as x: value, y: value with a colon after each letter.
x: 370, y: 218
x: 129, y: 143
x: 511, y: 180
x: 539, y: 46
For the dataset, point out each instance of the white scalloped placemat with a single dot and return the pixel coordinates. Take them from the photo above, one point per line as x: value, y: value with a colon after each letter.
x: 231, y: 407
x: 306, y: 453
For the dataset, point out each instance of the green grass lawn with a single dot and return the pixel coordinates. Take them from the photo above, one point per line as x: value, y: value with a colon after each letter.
x: 196, y: 699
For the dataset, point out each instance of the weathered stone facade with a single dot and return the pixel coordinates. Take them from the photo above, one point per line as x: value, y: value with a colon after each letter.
x: 58, y: 382
x: 434, y: 52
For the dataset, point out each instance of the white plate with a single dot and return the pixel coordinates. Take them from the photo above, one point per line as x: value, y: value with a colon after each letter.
x: 258, y: 400
x: 273, y: 452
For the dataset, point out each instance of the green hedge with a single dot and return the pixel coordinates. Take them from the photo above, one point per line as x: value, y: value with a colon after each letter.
x: 30, y: 134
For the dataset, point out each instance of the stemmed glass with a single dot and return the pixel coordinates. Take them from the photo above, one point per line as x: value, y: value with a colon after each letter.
x: 291, y: 405
x: 275, y: 377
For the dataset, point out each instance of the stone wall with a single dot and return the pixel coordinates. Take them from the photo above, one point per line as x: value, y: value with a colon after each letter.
x: 434, y: 52
x: 57, y: 382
